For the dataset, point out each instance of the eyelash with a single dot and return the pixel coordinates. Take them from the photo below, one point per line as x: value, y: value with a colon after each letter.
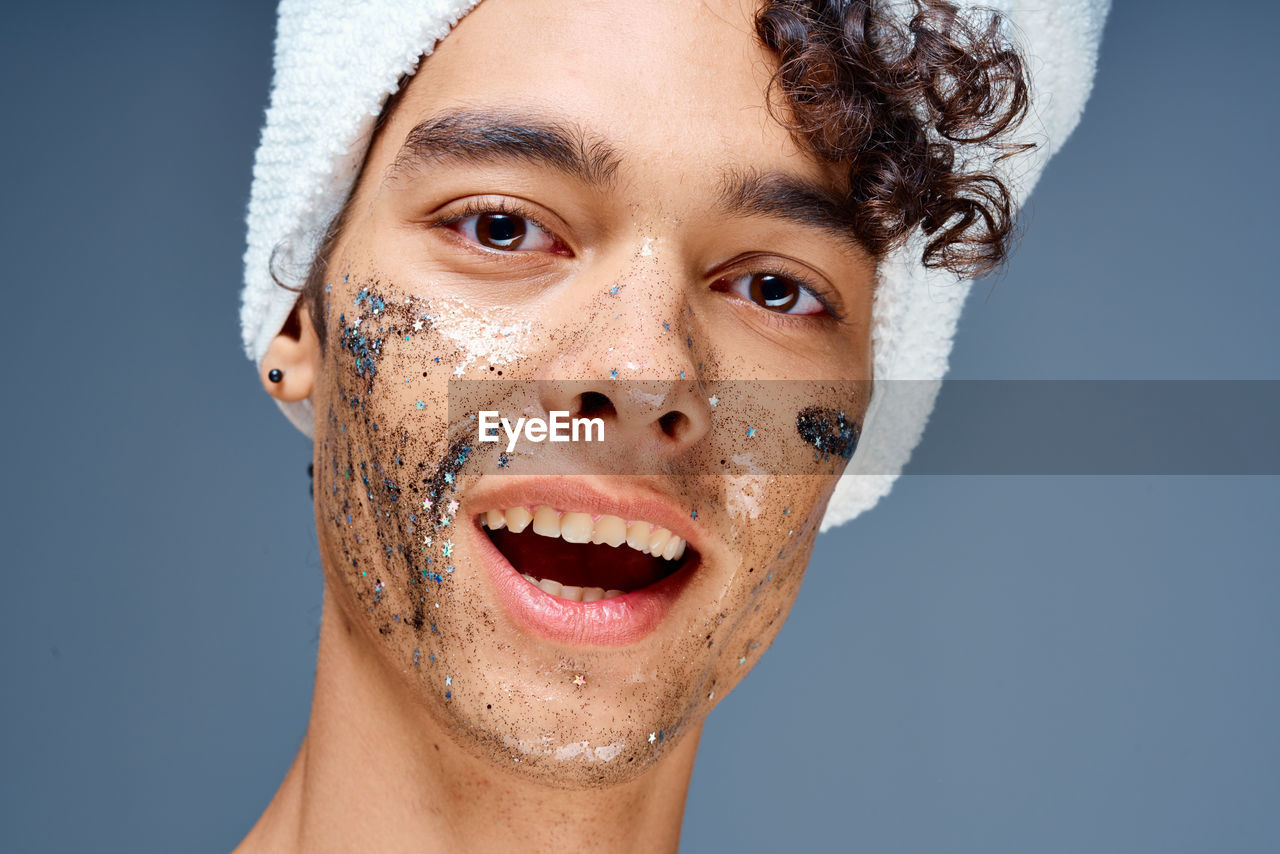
x: 509, y: 207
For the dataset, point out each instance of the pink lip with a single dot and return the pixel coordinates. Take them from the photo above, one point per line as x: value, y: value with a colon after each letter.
x: 608, y: 622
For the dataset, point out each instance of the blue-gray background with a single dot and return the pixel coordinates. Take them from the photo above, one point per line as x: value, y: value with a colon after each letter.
x: 1047, y: 664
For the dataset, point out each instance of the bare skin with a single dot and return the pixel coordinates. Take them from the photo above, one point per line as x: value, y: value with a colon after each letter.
x: 440, y: 721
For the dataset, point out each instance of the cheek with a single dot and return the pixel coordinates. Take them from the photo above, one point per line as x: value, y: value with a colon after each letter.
x: 371, y: 472
x: 774, y: 526
x: 386, y: 466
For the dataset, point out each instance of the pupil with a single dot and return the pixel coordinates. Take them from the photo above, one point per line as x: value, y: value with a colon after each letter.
x: 774, y: 292
x: 773, y: 288
x: 500, y: 229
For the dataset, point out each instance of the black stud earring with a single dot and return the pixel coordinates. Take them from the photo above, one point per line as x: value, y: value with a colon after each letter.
x: 275, y: 375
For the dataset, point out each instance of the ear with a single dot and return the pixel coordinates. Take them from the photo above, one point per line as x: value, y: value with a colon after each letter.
x: 295, y: 353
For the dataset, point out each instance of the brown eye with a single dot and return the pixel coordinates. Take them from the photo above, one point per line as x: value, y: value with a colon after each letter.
x: 506, y: 231
x: 776, y: 293
x: 773, y: 292
x: 500, y: 231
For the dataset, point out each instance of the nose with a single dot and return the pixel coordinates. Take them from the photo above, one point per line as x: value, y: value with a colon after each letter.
x: 656, y: 417
x: 632, y: 365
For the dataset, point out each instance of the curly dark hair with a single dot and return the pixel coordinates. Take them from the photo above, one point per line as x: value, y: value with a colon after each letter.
x: 901, y: 105
x: 898, y: 105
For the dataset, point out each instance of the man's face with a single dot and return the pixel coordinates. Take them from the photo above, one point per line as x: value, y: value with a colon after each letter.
x: 594, y: 192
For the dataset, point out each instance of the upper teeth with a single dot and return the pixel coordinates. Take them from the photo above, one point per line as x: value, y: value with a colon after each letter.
x: 573, y: 594
x: 582, y: 528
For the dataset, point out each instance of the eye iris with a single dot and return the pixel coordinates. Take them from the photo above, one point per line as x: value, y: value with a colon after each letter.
x: 773, y: 292
x: 500, y: 231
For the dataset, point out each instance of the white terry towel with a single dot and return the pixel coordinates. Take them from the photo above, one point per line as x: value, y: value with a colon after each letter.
x: 337, y: 61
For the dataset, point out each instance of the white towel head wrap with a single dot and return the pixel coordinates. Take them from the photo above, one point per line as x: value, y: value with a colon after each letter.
x: 336, y: 62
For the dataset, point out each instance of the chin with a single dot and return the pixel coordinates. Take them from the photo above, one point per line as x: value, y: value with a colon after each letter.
x: 604, y: 735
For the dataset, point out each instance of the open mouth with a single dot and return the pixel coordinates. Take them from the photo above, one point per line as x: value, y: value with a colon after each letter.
x: 585, y: 557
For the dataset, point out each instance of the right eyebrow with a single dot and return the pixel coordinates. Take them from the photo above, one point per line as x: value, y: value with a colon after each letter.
x: 788, y: 197
x: 488, y: 137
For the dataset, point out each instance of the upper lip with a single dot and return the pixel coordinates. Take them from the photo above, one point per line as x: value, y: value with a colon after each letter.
x: 585, y: 494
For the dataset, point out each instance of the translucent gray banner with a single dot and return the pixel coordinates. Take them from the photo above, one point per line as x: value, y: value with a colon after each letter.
x: 793, y: 427
x: 1103, y: 427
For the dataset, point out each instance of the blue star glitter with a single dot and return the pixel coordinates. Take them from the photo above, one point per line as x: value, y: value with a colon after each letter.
x: 503, y: 459
x: 666, y: 326
x: 448, y: 477
x: 694, y: 514
x: 751, y: 432
x: 613, y: 291
x: 613, y: 373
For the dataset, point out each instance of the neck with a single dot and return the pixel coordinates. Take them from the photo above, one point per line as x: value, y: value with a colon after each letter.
x: 376, y: 773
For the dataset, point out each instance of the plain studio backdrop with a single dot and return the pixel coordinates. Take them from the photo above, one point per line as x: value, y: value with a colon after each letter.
x: 981, y: 664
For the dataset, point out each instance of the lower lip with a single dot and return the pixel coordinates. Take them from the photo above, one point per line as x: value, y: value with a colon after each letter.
x: 617, y: 621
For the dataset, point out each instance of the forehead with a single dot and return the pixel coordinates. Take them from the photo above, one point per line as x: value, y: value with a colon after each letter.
x: 677, y: 87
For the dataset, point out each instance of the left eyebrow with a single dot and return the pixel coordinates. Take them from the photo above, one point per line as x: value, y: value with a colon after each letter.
x: 488, y: 137
x: 781, y: 196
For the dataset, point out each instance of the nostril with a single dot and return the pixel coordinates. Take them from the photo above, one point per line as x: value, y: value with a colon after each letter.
x: 673, y: 423
x: 593, y: 404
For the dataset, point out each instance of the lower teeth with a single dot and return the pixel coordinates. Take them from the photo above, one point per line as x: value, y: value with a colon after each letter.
x: 573, y: 594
